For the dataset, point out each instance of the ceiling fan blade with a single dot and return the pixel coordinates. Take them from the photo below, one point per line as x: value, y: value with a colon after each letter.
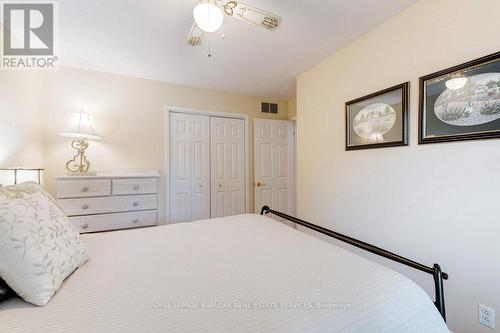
x: 195, y: 35
x: 251, y: 14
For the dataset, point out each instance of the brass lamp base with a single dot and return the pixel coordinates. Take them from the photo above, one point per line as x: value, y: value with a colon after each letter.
x: 79, y: 164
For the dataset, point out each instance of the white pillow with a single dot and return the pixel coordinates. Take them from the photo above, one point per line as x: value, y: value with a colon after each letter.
x: 38, y: 246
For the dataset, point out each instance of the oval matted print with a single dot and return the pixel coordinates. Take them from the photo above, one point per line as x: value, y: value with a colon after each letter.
x: 478, y: 102
x: 373, y: 121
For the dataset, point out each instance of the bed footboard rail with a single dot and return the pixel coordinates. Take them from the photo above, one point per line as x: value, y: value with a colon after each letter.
x: 435, y: 271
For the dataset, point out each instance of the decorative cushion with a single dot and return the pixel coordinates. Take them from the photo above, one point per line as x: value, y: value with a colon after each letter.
x: 38, y: 246
x: 5, y: 291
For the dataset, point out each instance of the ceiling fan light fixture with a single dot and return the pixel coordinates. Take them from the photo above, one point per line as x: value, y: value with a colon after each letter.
x: 208, y: 17
x: 457, y: 82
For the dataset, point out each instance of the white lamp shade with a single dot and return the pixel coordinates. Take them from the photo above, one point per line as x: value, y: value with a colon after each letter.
x: 81, y: 126
x: 208, y: 17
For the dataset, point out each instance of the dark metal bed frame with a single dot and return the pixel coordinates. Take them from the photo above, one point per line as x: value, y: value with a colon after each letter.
x: 435, y: 271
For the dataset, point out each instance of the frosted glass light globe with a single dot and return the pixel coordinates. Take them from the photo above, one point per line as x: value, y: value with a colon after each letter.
x: 208, y: 17
x: 456, y: 83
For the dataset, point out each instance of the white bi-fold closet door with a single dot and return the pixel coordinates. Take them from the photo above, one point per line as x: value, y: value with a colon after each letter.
x: 189, y: 167
x: 207, y: 167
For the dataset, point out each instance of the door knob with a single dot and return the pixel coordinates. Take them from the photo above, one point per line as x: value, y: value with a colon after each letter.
x: 260, y: 184
x: 220, y: 185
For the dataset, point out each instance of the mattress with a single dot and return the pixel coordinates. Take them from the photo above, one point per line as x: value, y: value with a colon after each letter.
x: 244, y: 273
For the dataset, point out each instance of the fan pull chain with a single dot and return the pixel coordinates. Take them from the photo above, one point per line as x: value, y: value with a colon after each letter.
x: 209, y: 47
x: 209, y: 37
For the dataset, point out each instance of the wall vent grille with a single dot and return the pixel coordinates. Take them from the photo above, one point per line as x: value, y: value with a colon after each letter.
x: 269, y: 108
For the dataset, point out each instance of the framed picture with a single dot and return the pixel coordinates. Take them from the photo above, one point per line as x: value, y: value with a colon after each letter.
x: 461, y: 103
x: 378, y: 120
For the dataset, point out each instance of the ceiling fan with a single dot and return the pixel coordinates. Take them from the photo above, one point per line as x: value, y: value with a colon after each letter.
x: 209, y: 16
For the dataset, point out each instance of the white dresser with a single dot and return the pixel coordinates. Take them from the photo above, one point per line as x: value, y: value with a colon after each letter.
x: 109, y: 201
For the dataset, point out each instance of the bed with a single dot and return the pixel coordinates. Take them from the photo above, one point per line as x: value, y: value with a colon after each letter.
x: 244, y: 273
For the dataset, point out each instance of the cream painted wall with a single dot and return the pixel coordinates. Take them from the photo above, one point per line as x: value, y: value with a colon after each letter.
x: 129, y: 114
x: 433, y: 203
x: 292, y: 109
x: 20, y: 130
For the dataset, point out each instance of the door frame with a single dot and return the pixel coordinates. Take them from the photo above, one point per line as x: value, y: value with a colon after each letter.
x: 177, y: 109
x: 293, y: 167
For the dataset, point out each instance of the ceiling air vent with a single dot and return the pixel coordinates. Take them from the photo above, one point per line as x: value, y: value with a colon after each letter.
x: 269, y: 108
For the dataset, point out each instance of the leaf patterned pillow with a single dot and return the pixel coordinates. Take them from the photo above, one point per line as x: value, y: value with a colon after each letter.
x: 38, y: 245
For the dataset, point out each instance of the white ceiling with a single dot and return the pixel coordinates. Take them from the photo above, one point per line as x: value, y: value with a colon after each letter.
x: 146, y: 39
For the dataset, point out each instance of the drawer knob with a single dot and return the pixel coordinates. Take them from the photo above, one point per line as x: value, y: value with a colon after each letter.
x: 135, y: 221
x: 85, y: 207
x: 85, y: 189
x: 135, y: 203
x: 136, y: 187
x: 85, y: 226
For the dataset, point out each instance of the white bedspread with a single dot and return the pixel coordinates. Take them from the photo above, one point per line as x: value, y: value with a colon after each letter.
x: 239, y: 274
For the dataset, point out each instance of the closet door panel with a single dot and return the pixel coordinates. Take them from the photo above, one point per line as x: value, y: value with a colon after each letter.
x: 189, y: 167
x: 180, y: 185
x: 227, y: 166
x: 200, y: 168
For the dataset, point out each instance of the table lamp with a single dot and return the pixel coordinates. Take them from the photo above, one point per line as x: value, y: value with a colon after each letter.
x: 81, y: 130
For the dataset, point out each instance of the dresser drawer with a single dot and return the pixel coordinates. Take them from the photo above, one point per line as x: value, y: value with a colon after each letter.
x: 92, y: 223
x: 86, y: 206
x: 83, y: 188
x: 135, y: 186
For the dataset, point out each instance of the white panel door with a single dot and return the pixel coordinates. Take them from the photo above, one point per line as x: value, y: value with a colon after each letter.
x: 228, y: 195
x: 189, y: 167
x: 274, y: 159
